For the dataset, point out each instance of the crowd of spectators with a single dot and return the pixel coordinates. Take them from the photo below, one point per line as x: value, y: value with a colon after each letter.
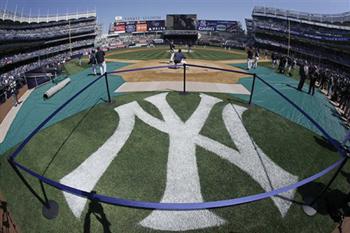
x: 333, y: 82
x: 310, y: 31
x: 221, y: 39
x: 315, y: 51
x: 42, y: 52
x: 46, y: 32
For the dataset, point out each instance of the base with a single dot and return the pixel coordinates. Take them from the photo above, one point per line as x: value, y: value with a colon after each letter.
x: 50, y: 211
x: 308, y: 209
x: 183, y: 93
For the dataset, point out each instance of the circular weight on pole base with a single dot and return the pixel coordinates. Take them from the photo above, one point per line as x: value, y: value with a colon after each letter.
x: 308, y: 209
x: 51, y: 210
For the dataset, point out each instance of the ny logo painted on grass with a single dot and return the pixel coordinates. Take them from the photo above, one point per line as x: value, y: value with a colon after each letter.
x: 182, y: 181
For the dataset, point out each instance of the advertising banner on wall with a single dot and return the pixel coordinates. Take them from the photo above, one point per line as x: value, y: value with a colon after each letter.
x: 130, y: 26
x: 156, y: 25
x: 218, y: 25
x: 141, y: 26
x: 119, y: 27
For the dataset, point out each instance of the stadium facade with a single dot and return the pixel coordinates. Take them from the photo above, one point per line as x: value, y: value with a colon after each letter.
x: 319, y: 37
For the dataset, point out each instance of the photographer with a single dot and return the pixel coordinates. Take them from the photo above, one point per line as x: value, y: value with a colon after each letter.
x: 313, y: 77
x: 12, y: 88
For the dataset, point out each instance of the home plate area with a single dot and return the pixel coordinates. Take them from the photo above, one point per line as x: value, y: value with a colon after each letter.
x: 179, y: 86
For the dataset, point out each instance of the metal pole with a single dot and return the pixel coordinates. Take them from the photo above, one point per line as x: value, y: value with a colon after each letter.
x: 107, y: 86
x: 252, y: 90
x: 70, y: 38
x: 25, y: 182
x: 184, y: 89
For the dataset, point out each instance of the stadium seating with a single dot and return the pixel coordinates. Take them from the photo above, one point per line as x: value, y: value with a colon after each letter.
x: 28, y: 43
x: 320, y: 37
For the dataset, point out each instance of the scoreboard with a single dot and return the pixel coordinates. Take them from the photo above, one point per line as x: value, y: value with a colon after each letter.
x: 181, y: 22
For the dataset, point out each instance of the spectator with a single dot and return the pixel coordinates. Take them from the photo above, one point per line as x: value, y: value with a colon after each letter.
x: 13, y: 90
x: 250, y: 58
x: 100, y: 58
x: 256, y: 58
x: 304, y: 73
x: 274, y: 59
x: 92, y: 61
x: 313, y: 77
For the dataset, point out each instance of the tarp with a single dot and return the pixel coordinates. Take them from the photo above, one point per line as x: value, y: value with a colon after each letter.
x: 35, y: 109
x: 317, y: 106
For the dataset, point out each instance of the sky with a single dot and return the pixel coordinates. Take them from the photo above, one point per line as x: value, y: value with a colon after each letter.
x: 205, y: 9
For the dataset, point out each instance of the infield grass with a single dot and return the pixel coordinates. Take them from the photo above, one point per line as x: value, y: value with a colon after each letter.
x: 139, y: 171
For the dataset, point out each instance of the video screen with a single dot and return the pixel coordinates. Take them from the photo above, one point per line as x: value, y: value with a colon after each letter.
x: 181, y: 22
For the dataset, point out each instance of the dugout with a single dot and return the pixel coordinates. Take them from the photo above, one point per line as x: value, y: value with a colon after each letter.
x: 181, y: 37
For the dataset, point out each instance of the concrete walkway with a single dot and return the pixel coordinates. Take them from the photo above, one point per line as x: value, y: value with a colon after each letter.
x: 11, y: 115
x: 178, y: 86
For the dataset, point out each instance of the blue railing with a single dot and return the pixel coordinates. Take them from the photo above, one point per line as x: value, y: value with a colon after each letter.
x: 171, y: 206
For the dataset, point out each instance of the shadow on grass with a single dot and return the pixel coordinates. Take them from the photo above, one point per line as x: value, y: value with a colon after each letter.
x: 69, y: 135
x: 332, y: 203
x: 324, y: 143
x: 96, y: 209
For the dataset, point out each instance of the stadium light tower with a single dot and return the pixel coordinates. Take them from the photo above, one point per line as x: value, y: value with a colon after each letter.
x: 3, y: 15
x: 288, y: 37
x: 21, y: 15
x: 30, y: 15
x: 70, y: 38
x: 15, y: 14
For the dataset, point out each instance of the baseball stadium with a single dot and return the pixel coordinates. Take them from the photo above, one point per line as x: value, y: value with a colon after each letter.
x: 183, y: 120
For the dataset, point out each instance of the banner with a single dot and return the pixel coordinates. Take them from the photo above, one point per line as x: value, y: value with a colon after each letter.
x: 141, y: 26
x: 119, y: 27
x: 218, y: 25
x: 155, y: 25
x: 130, y: 26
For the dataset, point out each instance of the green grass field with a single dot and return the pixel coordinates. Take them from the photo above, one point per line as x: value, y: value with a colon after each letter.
x: 139, y: 172
x: 163, y: 53
x: 73, y: 67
